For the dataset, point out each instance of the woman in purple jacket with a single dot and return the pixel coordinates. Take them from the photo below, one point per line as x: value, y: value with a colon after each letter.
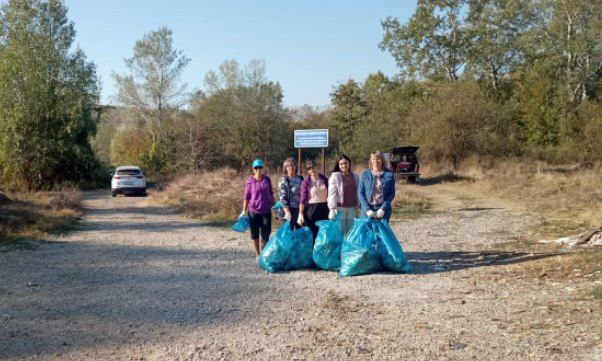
x: 314, y: 197
x: 257, y: 205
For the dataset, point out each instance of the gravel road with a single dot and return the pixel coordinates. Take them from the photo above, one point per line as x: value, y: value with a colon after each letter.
x: 138, y: 282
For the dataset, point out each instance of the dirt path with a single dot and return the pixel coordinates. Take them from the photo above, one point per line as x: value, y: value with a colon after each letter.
x: 138, y: 282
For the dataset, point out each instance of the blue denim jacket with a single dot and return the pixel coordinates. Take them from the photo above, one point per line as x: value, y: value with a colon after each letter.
x: 364, y: 191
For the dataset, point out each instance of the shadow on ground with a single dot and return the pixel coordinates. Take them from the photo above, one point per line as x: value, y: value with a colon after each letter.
x: 104, y: 293
x: 438, y: 262
x: 448, y: 177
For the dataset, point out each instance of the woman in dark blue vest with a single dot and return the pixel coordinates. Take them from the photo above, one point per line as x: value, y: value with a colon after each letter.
x: 377, y: 189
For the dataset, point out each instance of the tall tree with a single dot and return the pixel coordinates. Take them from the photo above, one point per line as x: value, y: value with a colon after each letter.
x: 153, y: 89
x: 567, y: 33
x: 350, y: 109
x: 495, y: 30
x: 48, y: 94
x: 153, y: 86
x: 433, y: 43
x: 242, y: 116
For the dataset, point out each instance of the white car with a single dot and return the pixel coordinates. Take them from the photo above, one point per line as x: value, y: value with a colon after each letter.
x: 128, y: 179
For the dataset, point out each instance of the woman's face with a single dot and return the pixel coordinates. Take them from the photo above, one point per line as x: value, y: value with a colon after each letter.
x: 258, y: 171
x: 291, y: 170
x: 376, y: 162
x: 344, y: 165
x: 312, y: 171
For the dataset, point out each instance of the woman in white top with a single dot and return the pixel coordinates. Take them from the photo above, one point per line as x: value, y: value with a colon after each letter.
x: 342, y: 193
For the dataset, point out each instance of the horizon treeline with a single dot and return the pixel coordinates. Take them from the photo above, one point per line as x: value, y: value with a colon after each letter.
x: 492, y: 79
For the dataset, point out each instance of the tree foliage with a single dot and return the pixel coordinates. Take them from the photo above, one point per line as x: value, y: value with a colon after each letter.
x: 153, y: 93
x: 242, y: 116
x: 48, y: 95
x: 434, y: 42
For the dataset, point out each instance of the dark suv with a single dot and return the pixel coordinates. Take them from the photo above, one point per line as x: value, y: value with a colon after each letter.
x: 404, y: 163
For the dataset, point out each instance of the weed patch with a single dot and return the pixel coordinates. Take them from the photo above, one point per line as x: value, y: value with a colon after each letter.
x: 409, y: 204
x: 34, y: 215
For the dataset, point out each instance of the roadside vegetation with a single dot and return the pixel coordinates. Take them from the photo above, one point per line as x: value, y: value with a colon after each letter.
x: 35, y: 215
x: 566, y: 199
x: 210, y: 196
x: 409, y: 204
x: 516, y: 85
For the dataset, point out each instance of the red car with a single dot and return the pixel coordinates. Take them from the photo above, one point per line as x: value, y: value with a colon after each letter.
x: 404, y: 163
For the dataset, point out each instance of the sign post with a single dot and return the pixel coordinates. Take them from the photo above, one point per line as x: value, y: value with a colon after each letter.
x: 311, y: 138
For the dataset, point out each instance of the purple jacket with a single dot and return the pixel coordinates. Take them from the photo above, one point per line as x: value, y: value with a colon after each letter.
x: 306, y: 185
x: 259, y: 194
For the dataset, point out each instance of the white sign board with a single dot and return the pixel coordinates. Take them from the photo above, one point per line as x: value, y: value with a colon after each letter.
x: 311, y: 138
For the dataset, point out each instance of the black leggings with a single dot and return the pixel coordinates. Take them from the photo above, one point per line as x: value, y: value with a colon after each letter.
x: 261, y: 222
x: 294, y: 216
x: 315, y: 212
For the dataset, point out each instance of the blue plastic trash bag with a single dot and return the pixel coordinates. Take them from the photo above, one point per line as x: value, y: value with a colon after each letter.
x: 303, y: 246
x: 359, y: 252
x: 327, y: 248
x: 287, y: 250
x: 275, y: 253
x: 392, y: 256
x: 241, y: 224
x: 279, y: 209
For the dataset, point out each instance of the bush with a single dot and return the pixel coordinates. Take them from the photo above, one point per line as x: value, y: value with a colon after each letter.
x: 590, y: 115
x: 66, y: 198
x: 458, y: 120
x: 215, y: 196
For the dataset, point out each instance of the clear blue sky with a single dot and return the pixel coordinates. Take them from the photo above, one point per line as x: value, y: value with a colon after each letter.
x: 309, y: 46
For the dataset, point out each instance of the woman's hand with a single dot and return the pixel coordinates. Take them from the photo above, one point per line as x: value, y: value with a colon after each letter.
x: 370, y: 213
x: 301, y: 219
x: 332, y: 214
x: 380, y: 213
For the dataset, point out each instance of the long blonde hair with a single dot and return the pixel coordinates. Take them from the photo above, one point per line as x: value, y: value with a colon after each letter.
x: 380, y: 155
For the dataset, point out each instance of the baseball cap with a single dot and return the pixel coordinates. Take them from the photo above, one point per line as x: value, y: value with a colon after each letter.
x: 257, y: 163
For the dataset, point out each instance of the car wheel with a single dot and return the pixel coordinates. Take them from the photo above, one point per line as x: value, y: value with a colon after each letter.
x: 114, y: 194
x: 144, y: 194
x: 411, y: 180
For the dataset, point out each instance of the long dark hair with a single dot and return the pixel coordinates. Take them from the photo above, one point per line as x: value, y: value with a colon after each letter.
x: 339, y: 158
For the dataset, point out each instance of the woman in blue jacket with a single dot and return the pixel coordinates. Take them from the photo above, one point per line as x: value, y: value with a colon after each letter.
x: 376, y: 189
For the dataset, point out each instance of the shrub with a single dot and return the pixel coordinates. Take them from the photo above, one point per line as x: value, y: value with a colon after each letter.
x: 66, y: 198
x: 457, y: 120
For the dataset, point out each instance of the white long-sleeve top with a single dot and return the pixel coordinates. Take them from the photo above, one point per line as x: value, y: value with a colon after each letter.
x: 335, y: 189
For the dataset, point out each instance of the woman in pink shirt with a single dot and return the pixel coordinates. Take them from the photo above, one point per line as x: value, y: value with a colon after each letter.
x: 314, y: 196
x: 257, y: 204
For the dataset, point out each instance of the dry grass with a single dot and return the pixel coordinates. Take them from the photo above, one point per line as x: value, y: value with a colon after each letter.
x: 409, y: 204
x: 567, y: 199
x: 37, y: 214
x: 211, y: 196
x: 66, y: 198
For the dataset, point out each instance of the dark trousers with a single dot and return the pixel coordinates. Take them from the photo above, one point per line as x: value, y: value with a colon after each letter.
x: 315, y: 212
x: 294, y: 215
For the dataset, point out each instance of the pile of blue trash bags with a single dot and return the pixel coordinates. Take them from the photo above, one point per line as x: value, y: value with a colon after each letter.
x: 369, y: 246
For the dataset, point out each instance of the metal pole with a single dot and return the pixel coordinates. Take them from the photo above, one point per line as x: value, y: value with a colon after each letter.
x: 299, y: 161
x: 323, y: 163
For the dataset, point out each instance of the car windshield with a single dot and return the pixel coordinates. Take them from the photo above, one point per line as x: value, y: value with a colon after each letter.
x: 129, y: 172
